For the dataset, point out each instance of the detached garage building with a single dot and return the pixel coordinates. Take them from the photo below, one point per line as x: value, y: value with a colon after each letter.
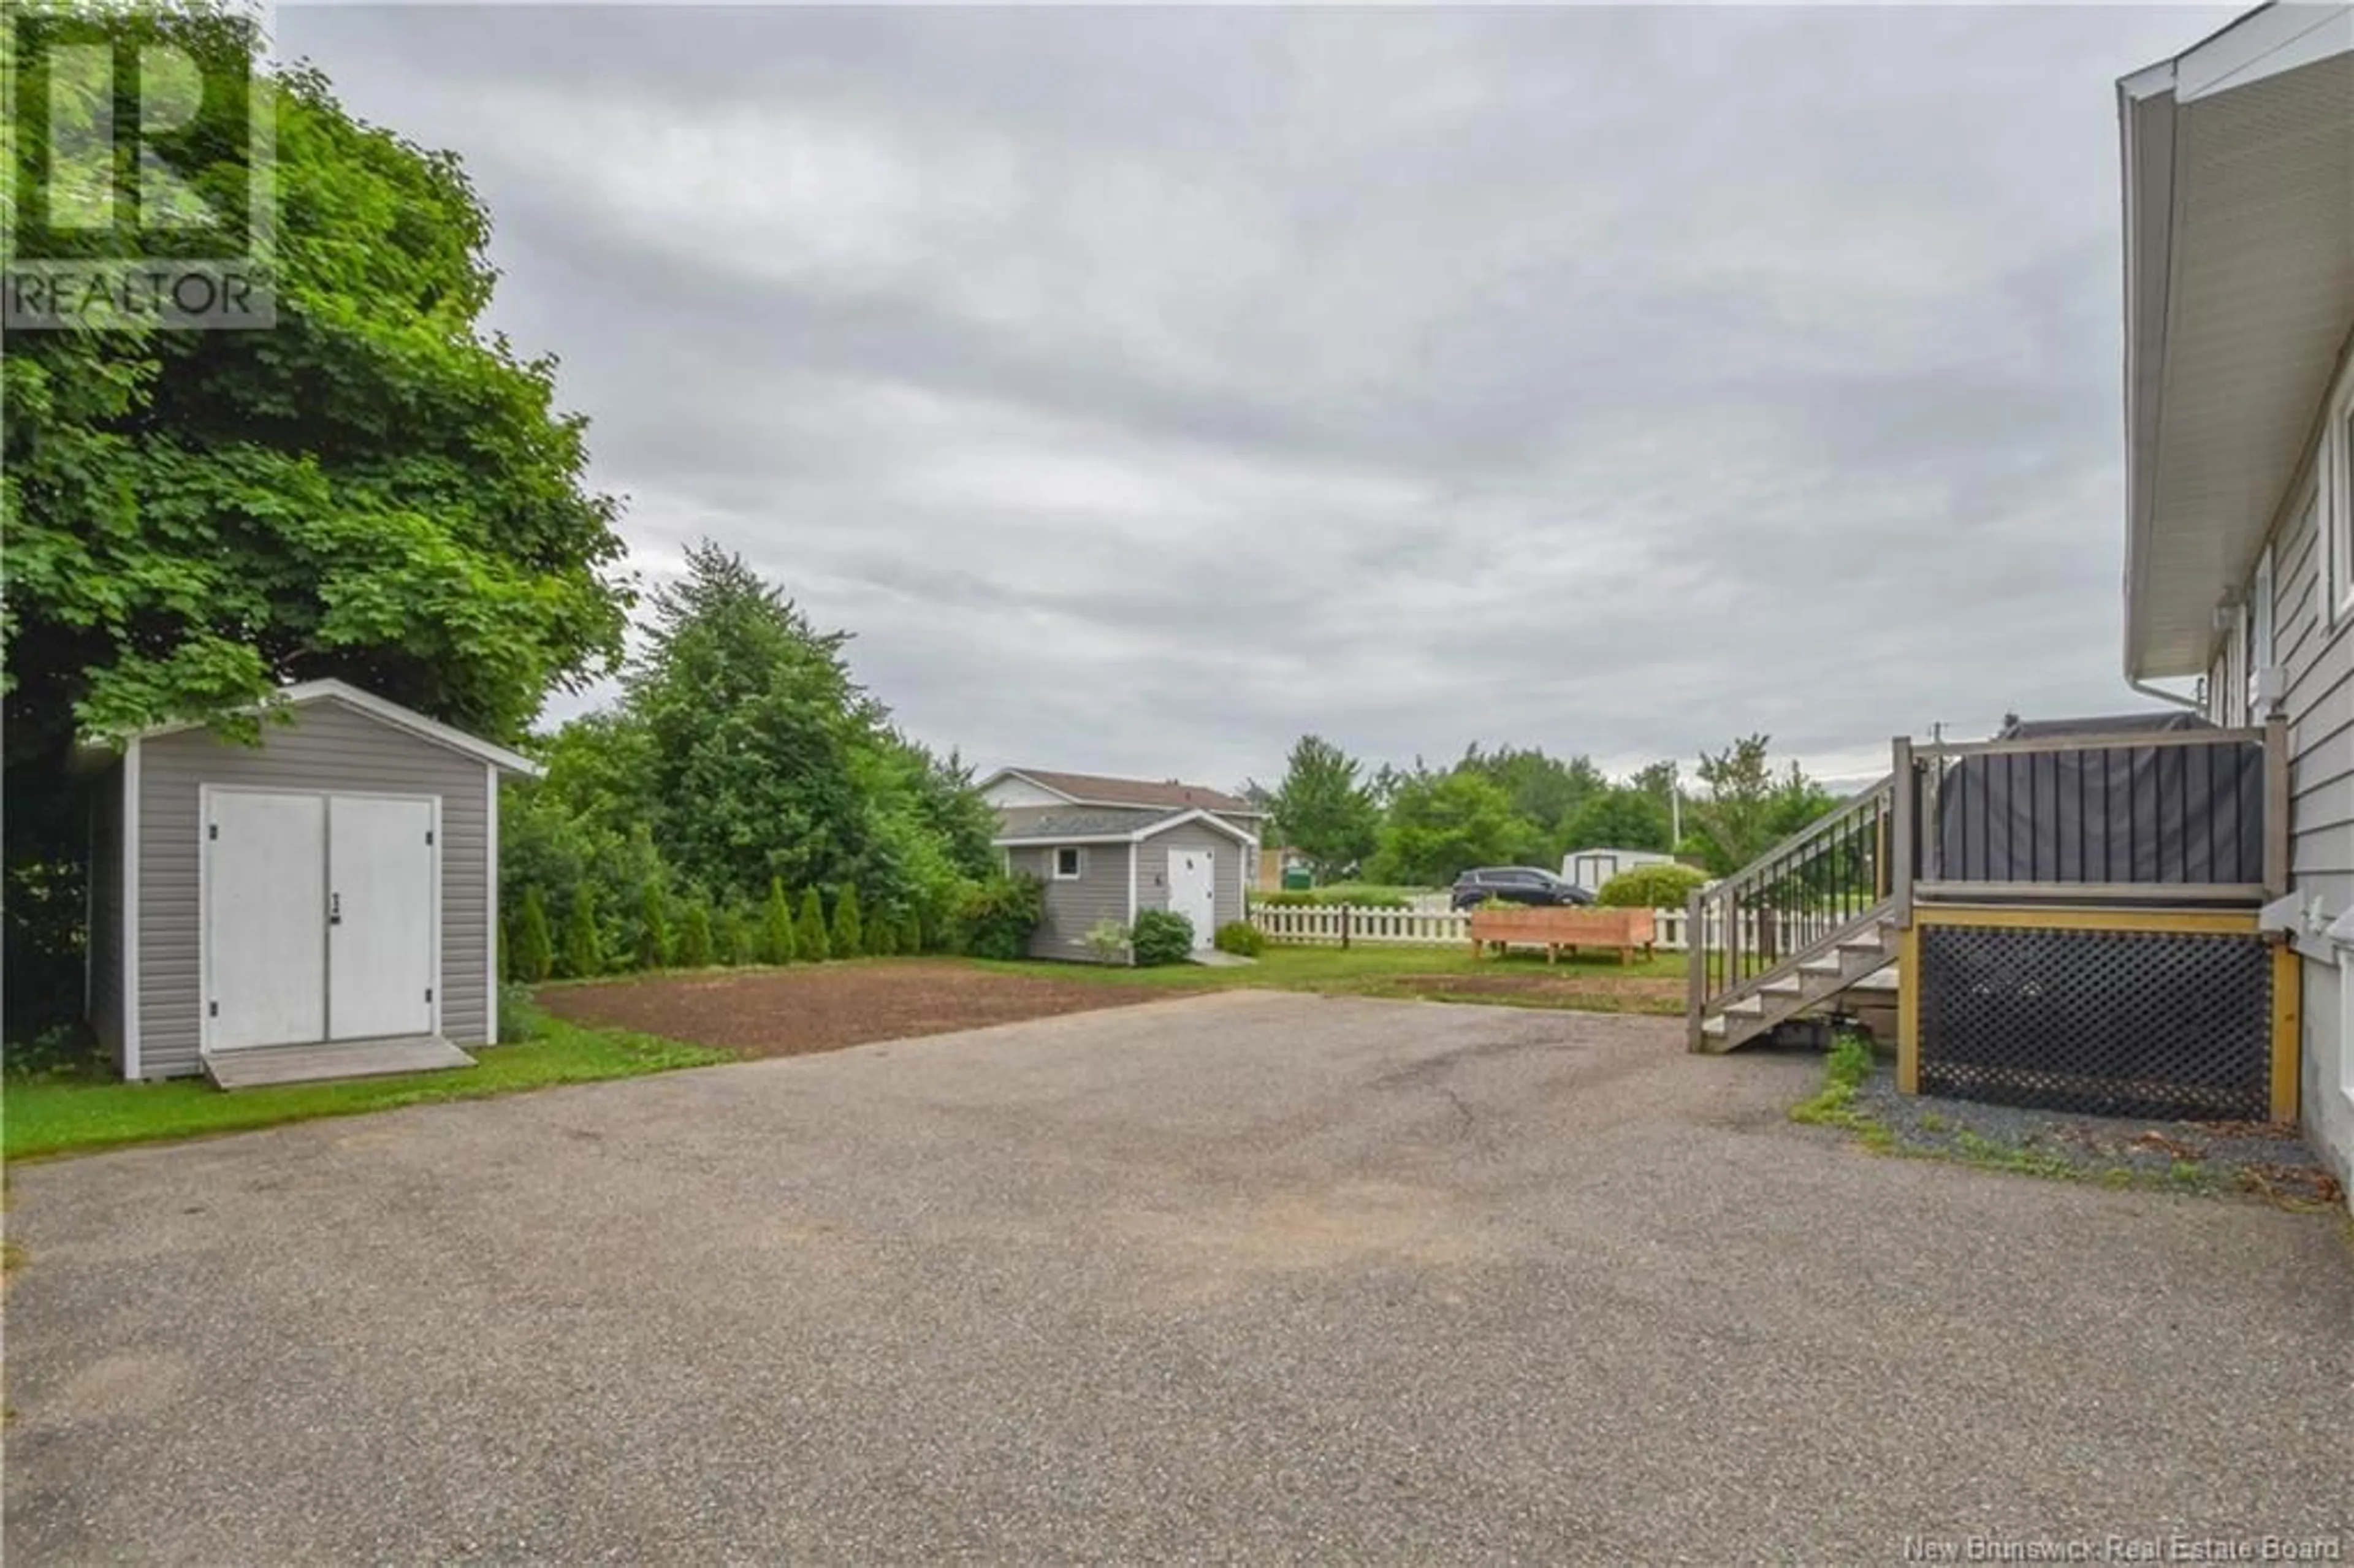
x: 334, y: 888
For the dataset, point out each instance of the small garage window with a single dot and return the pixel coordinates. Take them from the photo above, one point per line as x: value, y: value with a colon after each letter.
x: 1070, y: 863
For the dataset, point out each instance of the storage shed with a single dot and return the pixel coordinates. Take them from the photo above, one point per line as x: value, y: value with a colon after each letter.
x: 334, y: 888
x: 1108, y: 849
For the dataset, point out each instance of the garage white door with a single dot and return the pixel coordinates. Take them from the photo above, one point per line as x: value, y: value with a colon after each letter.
x: 319, y: 920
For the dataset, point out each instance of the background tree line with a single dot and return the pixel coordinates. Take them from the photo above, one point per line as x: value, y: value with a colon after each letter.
x: 1513, y: 806
x: 745, y: 801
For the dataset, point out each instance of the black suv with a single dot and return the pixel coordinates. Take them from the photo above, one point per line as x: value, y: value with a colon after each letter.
x: 1514, y: 885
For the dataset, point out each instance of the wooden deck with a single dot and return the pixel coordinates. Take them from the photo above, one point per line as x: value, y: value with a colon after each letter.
x: 265, y: 1064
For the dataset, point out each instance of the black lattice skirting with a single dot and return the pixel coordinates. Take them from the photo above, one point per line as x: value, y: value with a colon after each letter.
x: 2158, y: 1023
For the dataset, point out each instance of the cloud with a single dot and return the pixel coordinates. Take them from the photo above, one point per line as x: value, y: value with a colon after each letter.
x: 1145, y: 387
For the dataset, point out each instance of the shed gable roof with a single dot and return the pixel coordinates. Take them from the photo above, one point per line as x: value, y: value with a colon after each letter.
x: 1099, y: 789
x: 1053, y: 826
x: 1037, y: 824
x: 384, y: 710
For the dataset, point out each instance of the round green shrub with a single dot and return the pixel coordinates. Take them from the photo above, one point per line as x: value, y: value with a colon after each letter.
x: 1160, y: 937
x: 1660, y: 887
x: 1241, y: 939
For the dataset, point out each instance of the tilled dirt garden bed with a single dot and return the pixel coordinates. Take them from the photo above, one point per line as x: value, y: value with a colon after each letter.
x: 823, y: 1006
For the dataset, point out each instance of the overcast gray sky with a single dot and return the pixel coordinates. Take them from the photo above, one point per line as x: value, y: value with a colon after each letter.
x: 1144, y: 389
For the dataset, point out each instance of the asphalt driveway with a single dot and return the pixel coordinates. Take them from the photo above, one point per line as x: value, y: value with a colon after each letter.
x: 1242, y: 1276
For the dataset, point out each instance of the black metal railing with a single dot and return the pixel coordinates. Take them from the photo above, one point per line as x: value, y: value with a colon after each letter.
x: 1794, y: 900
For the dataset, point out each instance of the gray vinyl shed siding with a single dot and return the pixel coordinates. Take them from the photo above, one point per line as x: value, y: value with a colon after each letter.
x: 1073, y: 908
x: 2319, y: 661
x: 1152, y: 869
x: 329, y: 747
x: 105, y: 933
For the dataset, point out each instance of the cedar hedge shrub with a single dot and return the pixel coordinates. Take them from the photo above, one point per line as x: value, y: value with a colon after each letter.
x: 531, y: 956
x: 1650, y: 887
x: 584, y: 943
x: 694, y: 949
x: 651, y: 947
x: 848, y: 938
x: 809, y: 940
x: 777, y: 944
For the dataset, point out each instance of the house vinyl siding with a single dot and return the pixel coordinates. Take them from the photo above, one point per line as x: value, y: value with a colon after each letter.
x: 330, y: 747
x: 2317, y: 659
x: 105, y: 907
x: 1233, y: 861
x: 1075, y: 907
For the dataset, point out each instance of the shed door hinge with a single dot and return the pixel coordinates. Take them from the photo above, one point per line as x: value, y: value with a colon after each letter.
x: 213, y: 1009
x: 212, y: 830
x: 429, y: 993
x: 428, y: 835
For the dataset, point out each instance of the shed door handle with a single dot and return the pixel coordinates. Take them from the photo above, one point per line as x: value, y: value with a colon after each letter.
x: 334, y: 908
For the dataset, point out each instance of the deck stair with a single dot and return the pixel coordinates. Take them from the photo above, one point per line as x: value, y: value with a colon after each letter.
x: 1790, y: 933
x: 1862, y: 950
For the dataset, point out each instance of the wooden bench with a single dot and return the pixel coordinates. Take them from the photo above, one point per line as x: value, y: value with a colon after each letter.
x: 1554, y: 929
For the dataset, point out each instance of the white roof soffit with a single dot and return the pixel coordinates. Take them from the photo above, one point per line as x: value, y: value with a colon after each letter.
x: 2239, y: 250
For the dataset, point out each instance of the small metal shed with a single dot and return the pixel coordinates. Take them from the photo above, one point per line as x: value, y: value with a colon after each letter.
x: 334, y: 886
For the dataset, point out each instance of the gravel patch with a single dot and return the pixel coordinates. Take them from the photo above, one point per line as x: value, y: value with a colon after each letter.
x: 2263, y: 1159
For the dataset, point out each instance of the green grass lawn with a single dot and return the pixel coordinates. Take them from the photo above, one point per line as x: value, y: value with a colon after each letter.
x: 73, y: 1115
x: 1364, y: 969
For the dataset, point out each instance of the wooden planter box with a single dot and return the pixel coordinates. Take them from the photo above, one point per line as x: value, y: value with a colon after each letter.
x: 1554, y: 929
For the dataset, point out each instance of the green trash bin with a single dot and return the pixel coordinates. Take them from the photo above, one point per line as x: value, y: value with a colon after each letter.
x: 1298, y: 879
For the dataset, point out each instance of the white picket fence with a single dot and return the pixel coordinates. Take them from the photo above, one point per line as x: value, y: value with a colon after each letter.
x: 1321, y: 925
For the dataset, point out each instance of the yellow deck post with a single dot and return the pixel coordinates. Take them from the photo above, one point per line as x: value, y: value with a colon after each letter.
x: 2288, y: 979
x: 1908, y: 1010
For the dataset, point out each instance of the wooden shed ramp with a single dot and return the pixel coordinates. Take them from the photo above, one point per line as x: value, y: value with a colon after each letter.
x: 262, y: 1066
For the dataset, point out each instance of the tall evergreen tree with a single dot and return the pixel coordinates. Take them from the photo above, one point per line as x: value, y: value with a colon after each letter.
x: 1323, y: 808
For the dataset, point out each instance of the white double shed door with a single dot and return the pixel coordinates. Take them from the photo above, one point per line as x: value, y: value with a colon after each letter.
x: 321, y: 917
